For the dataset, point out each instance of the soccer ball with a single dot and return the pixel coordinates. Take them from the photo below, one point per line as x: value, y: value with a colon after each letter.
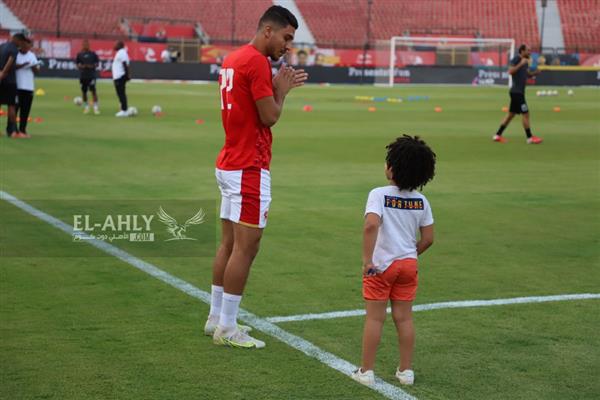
x: 78, y: 101
x: 156, y: 110
x: 132, y: 111
x: 570, y: 92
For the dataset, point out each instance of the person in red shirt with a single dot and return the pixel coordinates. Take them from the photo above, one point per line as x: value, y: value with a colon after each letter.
x: 251, y: 103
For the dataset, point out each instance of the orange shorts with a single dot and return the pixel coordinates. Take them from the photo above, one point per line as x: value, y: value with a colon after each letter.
x: 397, y: 282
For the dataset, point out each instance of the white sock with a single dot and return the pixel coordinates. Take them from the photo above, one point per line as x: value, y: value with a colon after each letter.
x: 216, y: 299
x: 229, y: 311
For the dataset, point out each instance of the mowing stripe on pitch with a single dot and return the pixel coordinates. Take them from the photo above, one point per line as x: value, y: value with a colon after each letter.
x: 306, y: 347
x: 437, y: 306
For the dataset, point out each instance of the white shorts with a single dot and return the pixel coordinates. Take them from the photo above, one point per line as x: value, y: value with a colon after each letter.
x: 245, y: 195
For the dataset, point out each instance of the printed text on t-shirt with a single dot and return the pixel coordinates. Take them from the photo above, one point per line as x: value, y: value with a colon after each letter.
x: 404, y: 204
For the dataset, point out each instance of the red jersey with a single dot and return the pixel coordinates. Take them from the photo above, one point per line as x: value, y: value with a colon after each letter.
x: 245, y: 77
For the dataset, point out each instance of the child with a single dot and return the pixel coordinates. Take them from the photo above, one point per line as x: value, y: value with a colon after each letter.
x: 390, y: 247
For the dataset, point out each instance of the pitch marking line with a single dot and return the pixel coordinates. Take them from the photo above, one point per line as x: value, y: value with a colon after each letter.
x: 388, y: 390
x: 437, y: 306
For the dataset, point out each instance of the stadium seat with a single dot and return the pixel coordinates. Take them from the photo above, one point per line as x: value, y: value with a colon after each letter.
x: 345, y: 21
x: 333, y: 23
x: 102, y: 17
x: 580, y: 24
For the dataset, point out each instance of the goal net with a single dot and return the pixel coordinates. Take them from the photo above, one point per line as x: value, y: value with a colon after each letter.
x: 486, y: 59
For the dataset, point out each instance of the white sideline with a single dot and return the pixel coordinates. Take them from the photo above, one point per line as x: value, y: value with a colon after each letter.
x: 306, y: 347
x: 437, y: 306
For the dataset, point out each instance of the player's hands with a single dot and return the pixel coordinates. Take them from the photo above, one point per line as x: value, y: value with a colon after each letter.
x: 300, y: 77
x: 369, y: 269
x: 284, y: 80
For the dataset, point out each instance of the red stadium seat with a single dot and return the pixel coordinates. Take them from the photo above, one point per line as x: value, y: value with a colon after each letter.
x: 339, y: 22
x: 580, y: 24
x: 102, y: 17
x: 345, y: 21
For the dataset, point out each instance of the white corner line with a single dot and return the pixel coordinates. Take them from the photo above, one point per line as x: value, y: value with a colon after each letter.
x: 437, y: 306
x: 331, y: 360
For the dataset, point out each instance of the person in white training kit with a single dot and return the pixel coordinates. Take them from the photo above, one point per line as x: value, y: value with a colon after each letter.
x: 120, y: 75
x: 26, y: 65
x: 165, y: 55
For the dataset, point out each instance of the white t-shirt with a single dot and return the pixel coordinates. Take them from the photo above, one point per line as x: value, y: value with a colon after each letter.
x: 402, y: 213
x: 25, y: 74
x: 117, y: 66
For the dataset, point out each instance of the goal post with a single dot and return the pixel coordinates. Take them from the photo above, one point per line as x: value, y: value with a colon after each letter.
x: 409, y: 51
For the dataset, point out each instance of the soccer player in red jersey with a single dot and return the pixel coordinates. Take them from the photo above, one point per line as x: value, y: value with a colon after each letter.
x: 251, y: 103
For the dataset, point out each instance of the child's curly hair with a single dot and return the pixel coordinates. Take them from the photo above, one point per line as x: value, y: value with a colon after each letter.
x: 412, y: 162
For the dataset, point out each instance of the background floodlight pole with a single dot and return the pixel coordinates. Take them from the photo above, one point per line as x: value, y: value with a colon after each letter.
x: 366, y: 47
x: 57, y: 18
x: 544, y: 5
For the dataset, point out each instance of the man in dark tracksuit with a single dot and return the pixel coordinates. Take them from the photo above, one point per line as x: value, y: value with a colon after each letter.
x: 8, y: 78
x: 519, y: 69
x: 87, y: 62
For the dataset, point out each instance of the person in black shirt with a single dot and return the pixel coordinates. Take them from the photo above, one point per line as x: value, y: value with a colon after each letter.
x: 87, y: 62
x: 519, y: 69
x: 8, y: 78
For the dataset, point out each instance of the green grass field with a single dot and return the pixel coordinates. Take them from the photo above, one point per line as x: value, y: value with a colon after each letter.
x: 512, y: 220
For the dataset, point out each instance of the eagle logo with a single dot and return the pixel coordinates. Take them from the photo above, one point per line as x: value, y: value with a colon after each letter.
x: 178, y: 230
